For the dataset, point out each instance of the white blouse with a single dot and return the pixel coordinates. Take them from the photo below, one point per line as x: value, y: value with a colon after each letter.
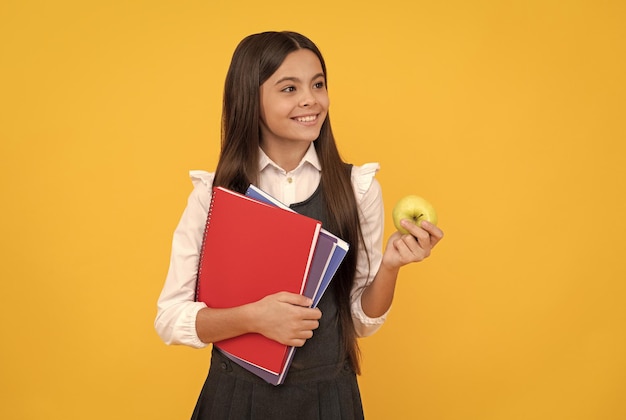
x: 176, y: 317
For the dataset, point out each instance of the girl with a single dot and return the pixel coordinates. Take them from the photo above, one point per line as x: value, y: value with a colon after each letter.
x: 276, y: 134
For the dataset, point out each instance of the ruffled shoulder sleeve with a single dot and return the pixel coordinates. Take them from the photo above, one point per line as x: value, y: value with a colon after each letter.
x: 363, y: 177
x: 202, y: 178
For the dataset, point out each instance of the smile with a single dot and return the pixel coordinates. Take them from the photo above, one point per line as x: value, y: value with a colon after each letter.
x: 308, y: 118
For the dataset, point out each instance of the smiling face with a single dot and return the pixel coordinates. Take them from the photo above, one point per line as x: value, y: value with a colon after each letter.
x: 294, y: 102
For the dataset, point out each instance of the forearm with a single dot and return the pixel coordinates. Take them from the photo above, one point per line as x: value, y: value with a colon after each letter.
x: 283, y: 317
x: 378, y: 296
x: 220, y: 324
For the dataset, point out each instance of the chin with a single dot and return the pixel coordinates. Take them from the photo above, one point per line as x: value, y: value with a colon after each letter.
x: 307, y: 137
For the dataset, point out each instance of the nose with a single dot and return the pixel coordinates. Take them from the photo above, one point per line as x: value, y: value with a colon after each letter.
x: 307, y: 99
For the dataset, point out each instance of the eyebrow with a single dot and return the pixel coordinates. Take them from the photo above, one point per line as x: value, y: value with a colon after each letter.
x: 297, y: 80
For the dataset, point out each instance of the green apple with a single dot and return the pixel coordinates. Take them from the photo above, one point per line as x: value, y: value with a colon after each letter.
x: 415, y: 209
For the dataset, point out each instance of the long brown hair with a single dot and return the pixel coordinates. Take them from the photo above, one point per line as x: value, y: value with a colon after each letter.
x: 255, y: 59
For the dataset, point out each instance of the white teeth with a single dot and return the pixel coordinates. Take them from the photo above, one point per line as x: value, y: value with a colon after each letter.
x: 307, y: 119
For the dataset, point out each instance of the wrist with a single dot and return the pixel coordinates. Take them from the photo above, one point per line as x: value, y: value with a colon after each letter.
x: 251, y: 315
x: 388, y: 269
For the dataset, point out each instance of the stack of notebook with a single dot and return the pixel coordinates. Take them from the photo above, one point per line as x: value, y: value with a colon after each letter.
x: 255, y: 246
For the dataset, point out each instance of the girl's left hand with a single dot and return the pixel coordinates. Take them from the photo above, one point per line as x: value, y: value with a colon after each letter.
x: 414, y: 247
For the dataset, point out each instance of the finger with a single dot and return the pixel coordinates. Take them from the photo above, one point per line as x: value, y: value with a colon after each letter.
x: 409, y: 249
x: 310, y: 314
x: 435, y: 232
x: 303, y: 335
x: 294, y: 299
x: 308, y: 326
x: 300, y: 337
x: 411, y: 227
x: 296, y: 342
x: 419, y: 246
x: 424, y: 242
x: 316, y: 314
x: 422, y: 236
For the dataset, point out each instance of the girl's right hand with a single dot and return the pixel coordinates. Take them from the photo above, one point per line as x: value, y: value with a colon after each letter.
x: 286, y: 317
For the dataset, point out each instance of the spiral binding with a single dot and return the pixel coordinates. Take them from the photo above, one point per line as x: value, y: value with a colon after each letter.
x: 206, y: 229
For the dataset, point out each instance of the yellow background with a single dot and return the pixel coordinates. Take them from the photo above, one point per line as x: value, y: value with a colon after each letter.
x: 507, y: 115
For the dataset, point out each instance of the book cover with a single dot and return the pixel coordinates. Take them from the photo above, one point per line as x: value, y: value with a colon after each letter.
x: 251, y: 250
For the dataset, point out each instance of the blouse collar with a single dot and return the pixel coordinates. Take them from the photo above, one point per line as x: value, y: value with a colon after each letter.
x: 309, y: 157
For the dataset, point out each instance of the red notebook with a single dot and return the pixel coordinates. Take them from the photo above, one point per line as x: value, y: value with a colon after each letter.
x: 250, y: 250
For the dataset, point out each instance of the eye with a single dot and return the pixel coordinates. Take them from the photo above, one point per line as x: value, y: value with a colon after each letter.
x: 289, y: 89
x: 318, y: 85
